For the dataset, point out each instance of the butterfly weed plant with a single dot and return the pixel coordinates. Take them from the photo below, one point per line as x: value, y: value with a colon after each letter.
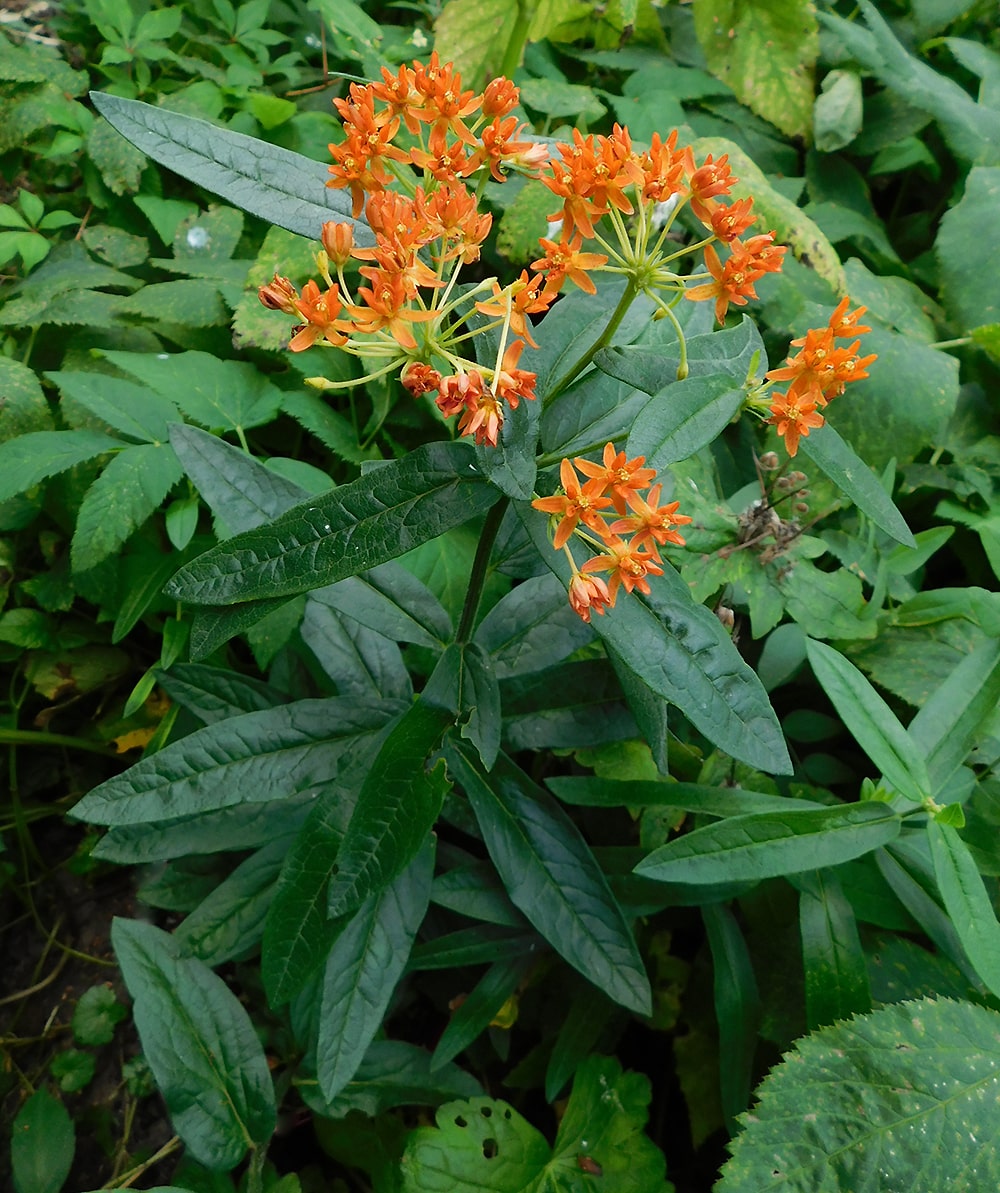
x: 458, y: 811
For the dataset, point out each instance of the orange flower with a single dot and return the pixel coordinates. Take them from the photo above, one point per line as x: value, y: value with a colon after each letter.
x: 385, y: 307
x: 627, y: 564
x: 280, y: 295
x: 445, y: 103
x: 662, y: 169
x: 618, y: 475
x: 446, y: 163
x: 320, y: 312
x: 842, y: 324
x: 577, y: 503
x: 707, y: 181
x: 511, y: 383
x: 564, y: 260
x: 483, y: 418
x: 651, y: 522
x: 821, y: 366
x: 400, y: 94
x: 500, y: 97
x: 419, y: 378
x: 527, y: 295
x: 338, y: 241
x: 587, y: 593
x: 458, y: 391
x: 730, y: 222
x: 500, y: 148
x: 794, y: 414
x: 733, y: 281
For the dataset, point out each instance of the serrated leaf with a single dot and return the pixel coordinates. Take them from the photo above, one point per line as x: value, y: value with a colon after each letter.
x: 95, y: 1016
x: 363, y: 967
x: 551, y: 876
x: 474, y: 35
x: 253, y: 758
x: 131, y: 409
x: 40, y: 454
x: 395, y: 811
x: 378, y: 517
x: 767, y: 844
x: 870, y: 720
x: 281, y: 187
x: 120, y: 164
x: 127, y: 492
x: 222, y: 394
x: 922, y: 1070
x: 42, y: 1144
x: 24, y: 409
x: 200, y: 1045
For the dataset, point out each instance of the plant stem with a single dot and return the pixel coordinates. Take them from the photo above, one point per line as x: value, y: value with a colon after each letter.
x: 516, y: 40
x: 33, y: 737
x: 602, y: 341
x: 255, y: 1171
x: 480, y: 564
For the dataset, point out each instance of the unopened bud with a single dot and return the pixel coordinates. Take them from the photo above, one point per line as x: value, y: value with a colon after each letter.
x: 769, y: 461
x: 784, y: 483
x: 797, y: 478
x: 801, y: 507
x: 279, y: 295
x: 338, y: 240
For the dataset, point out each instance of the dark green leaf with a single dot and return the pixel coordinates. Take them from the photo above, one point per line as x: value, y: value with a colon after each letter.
x: 213, y: 694
x: 214, y: 625
x: 552, y: 877
x: 766, y: 844
x: 132, y: 409
x: 572, y: 704
x: 358, y: 660
x: 95, y: 1016
x: 281, y: 187
x: 870, y: 719
x: 376, y: 518
x: 531, y: 628
x: 967, y: 235
x: 967, y: 902
x: 921, y: 1070
x: 42, y: 1144
x: 391, y: 601
x: 587, y: 791
x: 582, y: 1027
x: 474, y: 946
x: 737, y: 1008
x: 396, y: 809
x: 856, y: 480
x: 681, y: 419
x: 834, y: 962
x: 363, y: 967
x: 481, y: 1006
x: 650, y: 710
x: 200, y: 1044
x: 248, y: 759
x: 475, y: 891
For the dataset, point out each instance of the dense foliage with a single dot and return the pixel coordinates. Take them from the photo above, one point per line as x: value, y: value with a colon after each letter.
x: 500, y: 580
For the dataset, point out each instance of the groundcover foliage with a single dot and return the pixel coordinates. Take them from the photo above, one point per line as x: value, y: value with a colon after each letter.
x: 531, y: 529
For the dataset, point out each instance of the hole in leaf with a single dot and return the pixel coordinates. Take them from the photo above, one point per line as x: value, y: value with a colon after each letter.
x: 485, y: 1111
x: 460, y: 1122
x: 506, y: 1114
x: 490, y: 1148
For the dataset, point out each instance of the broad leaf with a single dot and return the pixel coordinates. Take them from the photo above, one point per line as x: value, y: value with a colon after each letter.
x: 363, y: 967
x: 396, y: 809
x: 378, y: 517
x: 551, y: 876
x: 40, y: 454
x: 870, y: 720
x: 248, y: 759
x: 856, y: 480
x: 213, y: 694
x: 42, y: 1144
x: 967, y: 902
x: 681, y: 419
x: 281, y: 187
x: 200, y: 1045
x: 922, y: 1070
x: 132, y: 409
x: 767, y: 844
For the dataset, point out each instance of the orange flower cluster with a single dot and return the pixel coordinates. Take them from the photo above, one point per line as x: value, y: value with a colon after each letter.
x: 818, y: 373
x: 616, y: 485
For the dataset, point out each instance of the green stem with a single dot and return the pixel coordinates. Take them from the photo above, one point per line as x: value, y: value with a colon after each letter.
x: 959, y: 343
x: 516, y: 41
x: 602, y: 341
x: 31, y: 737
x: 682, y: 364
x: 255, y: 1170
x: 480, y: 565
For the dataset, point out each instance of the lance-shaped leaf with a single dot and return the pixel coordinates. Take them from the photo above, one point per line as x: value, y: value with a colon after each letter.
x: 737, y: 1007
x: 967, y: 902
x: 552, y: 877
x: 589, y: 791
x: 378, y: 517
x: 362, y: 970
x: 281, y: 187
x: 767, y: 844
x: 681, y: 419
x: 531, y: 628
x: 213, y: 694
x: 390, y: 600
x: 396, y: 809
x: 871, y: 721
x: 200, y: 1044
x: 835, y: 967
x: 681, y: 652
x: 481, y: 1006
x: 249, y: 759
x: 856, y: 480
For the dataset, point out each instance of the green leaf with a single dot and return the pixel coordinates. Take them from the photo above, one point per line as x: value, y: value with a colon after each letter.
x: 213, y: 693
x: 200, y: 1045
x: 40, y: 454
x: 396, y: 809
x: 551, y: 876
x: 127, y: 492
x: 478, y: 1144
x: 531, y: 628
x: 359, y: 661
x: 870, y: 720
x: 582, y: 1027
x: 966, y: 901
x: 391, y: 601
x: 681, y: 419
x: 737, y: 1007
x: 378, y: 517
x: 767, y: 844
x: 221, y: 394
x: 766, y: 55
x: 474, y: 34
x: 363, y: 967
x: 281, y: 187
x: 834, y: 961
x: 838, y: 111
x: 73, y: 1069
x: 96, y: 1015
x: 253, y: 758
x: 856, y: 480
x: 480, y: 945
x: 25, y: 409
x: 921, y: 1070
x: 592, y: 792
x: 968, y: 235
x: 42, y: 1144
x: 131, y: 409
x: 482, y: 1005
x: 120, y: 165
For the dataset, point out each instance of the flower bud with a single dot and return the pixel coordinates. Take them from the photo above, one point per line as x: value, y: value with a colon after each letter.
x: 769, y: 461
x: 338, y: 240
x: 279, y: 295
